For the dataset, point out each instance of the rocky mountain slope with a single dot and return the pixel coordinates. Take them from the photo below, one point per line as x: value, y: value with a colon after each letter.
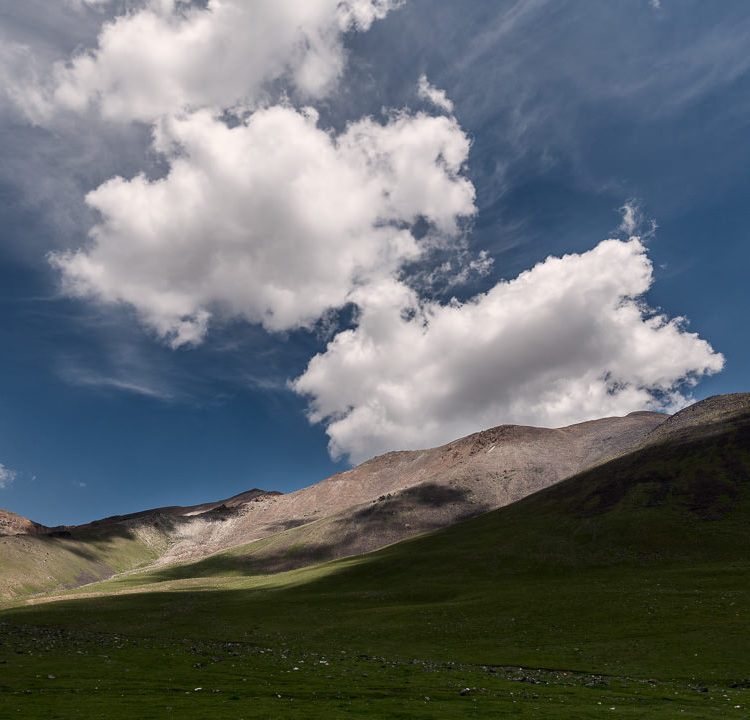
x: 704, y: 418
x: 382, y: 501
x: 463, y: 481
x: 401, y: 494
x: 385, y: 499
x: 12, y: 524
x: 404, y: 493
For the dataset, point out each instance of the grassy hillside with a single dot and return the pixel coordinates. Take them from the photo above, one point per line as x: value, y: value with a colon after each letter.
x: 684, y: 500
x: 35, y: 563
x: 630, y: 581
x: 384, y: 500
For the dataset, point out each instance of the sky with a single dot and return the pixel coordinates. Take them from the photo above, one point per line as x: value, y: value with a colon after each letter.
x: 251, y: 244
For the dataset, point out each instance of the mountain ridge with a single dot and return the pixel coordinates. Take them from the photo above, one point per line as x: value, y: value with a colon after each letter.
x: 386, y: 499
x: 377, y: 465
x: 636, y: 566
x: 382, y: 501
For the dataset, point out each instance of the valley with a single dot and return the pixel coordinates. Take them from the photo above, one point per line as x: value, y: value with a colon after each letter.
x: 621, y: 589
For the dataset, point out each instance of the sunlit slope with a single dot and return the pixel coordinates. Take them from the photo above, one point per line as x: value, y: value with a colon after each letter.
x: 34, y: 563
x: 639, y: 566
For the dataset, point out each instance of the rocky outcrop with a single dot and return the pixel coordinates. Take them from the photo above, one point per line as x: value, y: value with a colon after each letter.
x: 12, y: 524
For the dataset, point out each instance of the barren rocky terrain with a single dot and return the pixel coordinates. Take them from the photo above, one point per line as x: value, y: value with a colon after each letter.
x: 384, y: 500
x: 12, y: 524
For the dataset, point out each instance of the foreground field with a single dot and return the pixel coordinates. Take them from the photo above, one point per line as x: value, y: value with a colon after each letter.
x: 54, y: 674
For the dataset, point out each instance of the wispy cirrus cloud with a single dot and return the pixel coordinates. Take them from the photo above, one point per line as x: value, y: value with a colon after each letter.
x: 7, y: 476
x: 88, y: 378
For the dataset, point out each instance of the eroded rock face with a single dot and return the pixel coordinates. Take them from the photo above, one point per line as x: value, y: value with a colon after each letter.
x: 12, y: 524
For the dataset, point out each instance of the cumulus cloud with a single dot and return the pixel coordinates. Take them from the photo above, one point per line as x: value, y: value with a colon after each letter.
x: 566, y: 341
x: 274, y: 220
x: 7, y: 476
x: 437, y: 97
x: 169, y: 56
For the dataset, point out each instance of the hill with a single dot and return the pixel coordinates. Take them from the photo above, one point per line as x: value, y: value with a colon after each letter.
x: 625, y: 586
x: 12, y: 524
x: 386, y: 499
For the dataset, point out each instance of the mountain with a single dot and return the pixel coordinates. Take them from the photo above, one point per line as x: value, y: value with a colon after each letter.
x: 672, y: 476
x: 380, y: 502
x: 384, y: 500
x: 204, y: 510
x: 637, y: 566
x: 400, y: 494
x: 714, y: 415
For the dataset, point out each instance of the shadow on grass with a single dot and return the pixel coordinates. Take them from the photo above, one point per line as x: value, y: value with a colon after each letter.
x: 392, y: 518
x: 704, y: 476
x: 76, y: 541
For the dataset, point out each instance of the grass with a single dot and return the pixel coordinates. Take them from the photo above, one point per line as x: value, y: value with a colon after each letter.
x: 37, y: 563
x: 630, y: 584
x: 57, y: 674
x: 687, y: 623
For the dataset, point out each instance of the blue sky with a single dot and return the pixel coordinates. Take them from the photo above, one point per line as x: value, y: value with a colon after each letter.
x: 245, y: 245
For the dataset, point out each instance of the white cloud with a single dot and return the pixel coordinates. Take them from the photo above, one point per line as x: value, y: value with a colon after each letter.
x: 274, y: 220
x: 437, y: 97
x: 170, y: 56
x: 563, y: 342
x: 20, y: 84
x: 444, y: 277
x: 7, y: 476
